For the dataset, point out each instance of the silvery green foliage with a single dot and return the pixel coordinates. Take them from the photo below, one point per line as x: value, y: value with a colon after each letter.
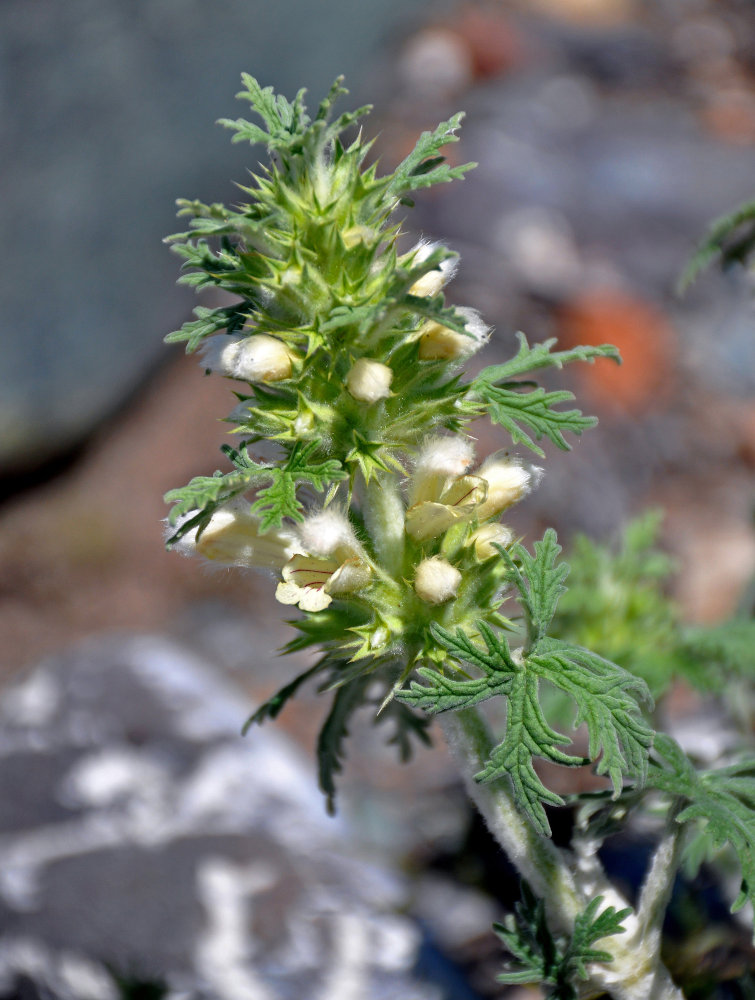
x: 552, y: 960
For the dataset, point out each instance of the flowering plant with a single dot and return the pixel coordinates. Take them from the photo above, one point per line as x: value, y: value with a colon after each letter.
x: 345, y: 354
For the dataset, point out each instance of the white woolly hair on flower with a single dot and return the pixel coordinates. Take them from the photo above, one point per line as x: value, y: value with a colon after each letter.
x: 436, y: 580
x: 432, y: 282
x: 441, y: 453
x: 261, y: 358
x: 187, y: 543
x: 509, y: 480
x: 368, y: 380
x: 486, y: 538
x: 232, y: 537
x: 440, y: 459
x: 478, y: 330
x: 329, y: 533
x: 441, y: 343
x: 220, y: 353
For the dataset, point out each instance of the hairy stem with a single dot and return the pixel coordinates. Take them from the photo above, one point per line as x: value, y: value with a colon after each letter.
x: 383, y: 509
x: 659, y: 880
x: 636, y: 972
x: 537, y: 859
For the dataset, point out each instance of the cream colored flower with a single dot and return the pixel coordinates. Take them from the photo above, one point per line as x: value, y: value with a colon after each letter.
x: 436, y: 580
x: 310, y: 581
x: 232, y: 537
x: 487, y: 537
x: 439, y: 496
x: 458, y: 501
x: 509, y: 480
x: 329, y: 534
x: 440, y: 460
x: 434, y: 281
x: 336, y: 563
x: 440, y: 343
x: 256, y: 358
x: 369, y: 381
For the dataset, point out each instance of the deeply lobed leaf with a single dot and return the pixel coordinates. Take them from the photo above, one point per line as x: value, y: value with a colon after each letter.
x: 608, y: 699
x: 721, y: 800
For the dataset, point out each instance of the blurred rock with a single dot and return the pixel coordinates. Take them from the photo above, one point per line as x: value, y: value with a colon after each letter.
x: 436, y: 63
x: 150, y: 838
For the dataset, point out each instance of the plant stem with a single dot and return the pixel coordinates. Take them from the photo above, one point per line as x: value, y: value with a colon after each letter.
x: 536, y: 858
x: 636, y: 972
x: 383, y: 509
x: 659, y: 880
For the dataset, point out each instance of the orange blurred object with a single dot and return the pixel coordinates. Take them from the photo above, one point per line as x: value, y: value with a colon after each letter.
x: 643, y: 334
x: 494, y: 46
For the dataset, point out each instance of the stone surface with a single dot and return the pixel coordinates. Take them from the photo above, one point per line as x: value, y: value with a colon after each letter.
x: 106, y: 117
x: 139, y: 832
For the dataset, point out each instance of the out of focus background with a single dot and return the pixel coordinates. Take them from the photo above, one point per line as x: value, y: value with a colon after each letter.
x: 145, y: 846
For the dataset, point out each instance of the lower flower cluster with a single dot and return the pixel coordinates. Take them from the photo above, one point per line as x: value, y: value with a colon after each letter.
x: 448, y: 570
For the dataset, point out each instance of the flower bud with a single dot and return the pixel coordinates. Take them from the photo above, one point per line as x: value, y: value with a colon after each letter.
x: 434, y: 281
x: 257, y: 358
x: 369, y: 381
x: 440, y: 460
x: 440, y: 343
x: 509, y: 481
x: 262, y: 359
x: 436, y: 580
x: 487, y: 537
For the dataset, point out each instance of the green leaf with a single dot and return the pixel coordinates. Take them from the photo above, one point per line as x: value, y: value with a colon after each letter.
x: 330, y: 744
x: 730, y: 237
x: 528, y: 735
x: 283, y: 119
x: 529, y: 359
x: 423, y: 167
x: 539, y: 582
x: 721, y: 800
x: 528, y: 939
x: 550, y: 960
x: 522, y: 409
x: 720, y: 651
x: 535, y: 410
x: 272, y: 708
x: 617, y: 604
x: 204, y: 494
x: 589, y: 928
x: 408, y: 727
x: 279, y: 500
x: 207, y: 323
x: 607, y: 698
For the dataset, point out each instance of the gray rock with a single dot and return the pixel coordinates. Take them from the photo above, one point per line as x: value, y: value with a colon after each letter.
x: 106, y: 117
x: 139, y: 831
